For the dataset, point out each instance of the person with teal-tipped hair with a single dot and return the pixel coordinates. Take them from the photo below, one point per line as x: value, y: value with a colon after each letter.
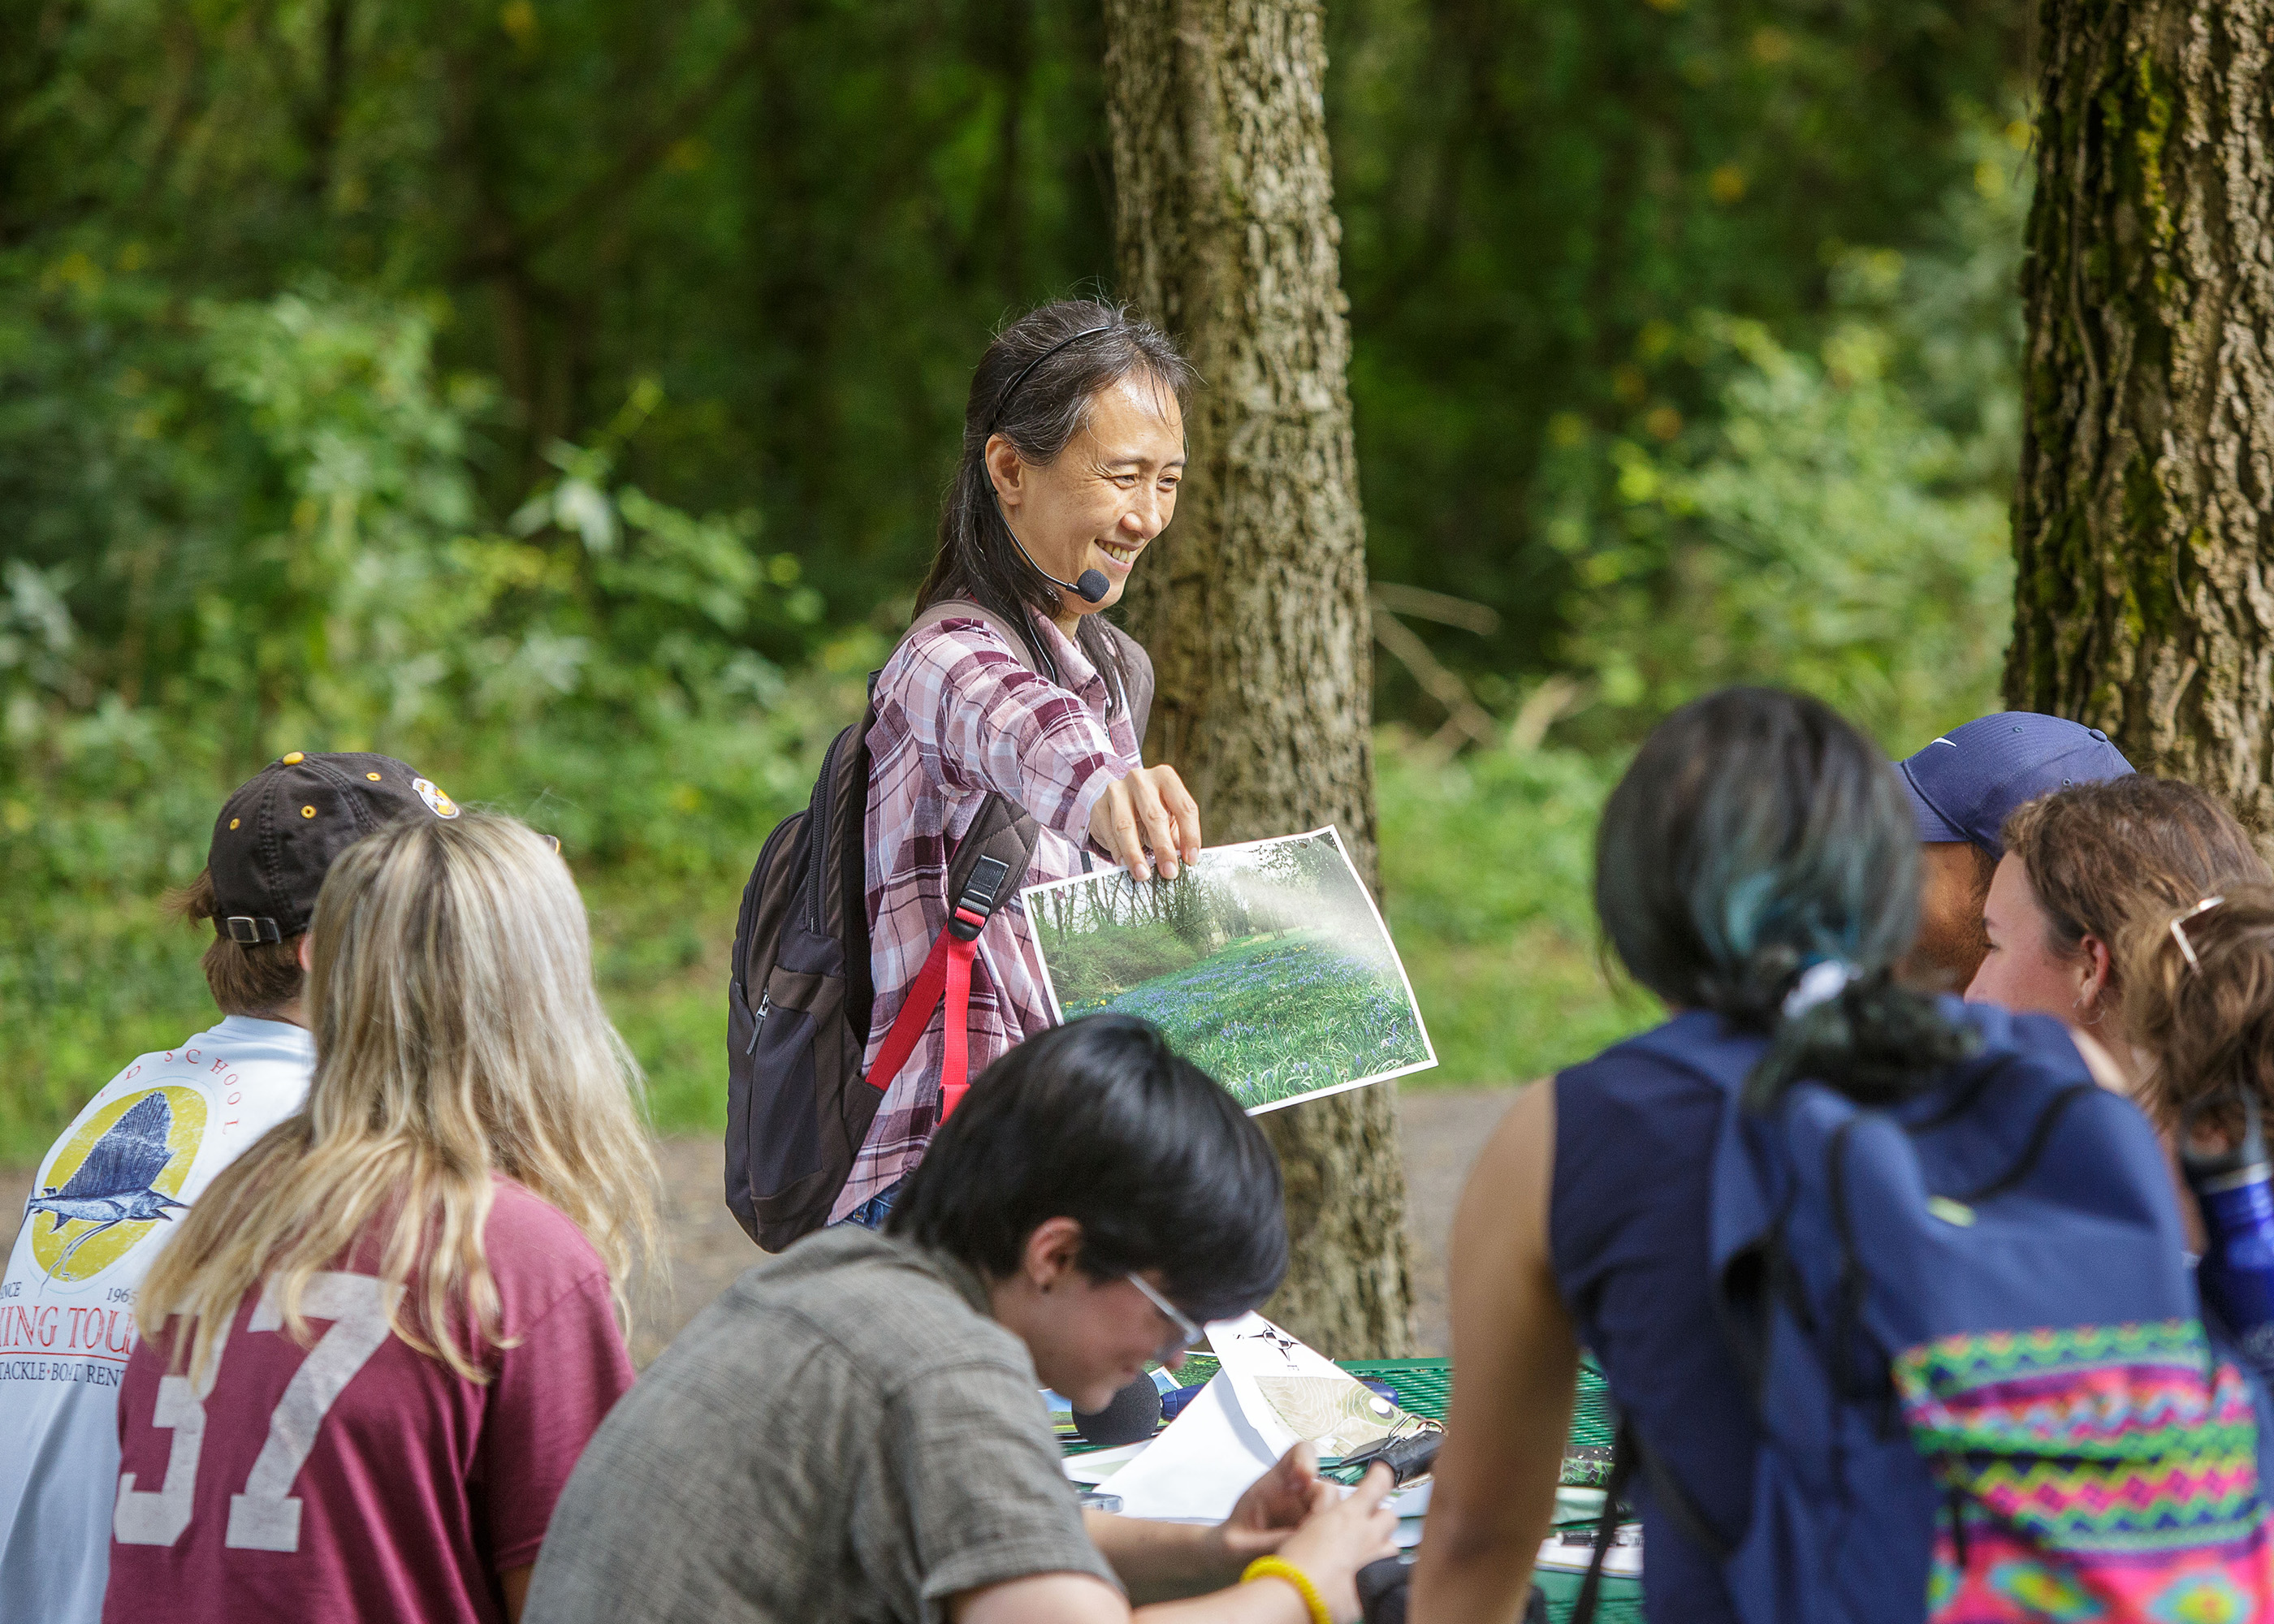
x: 1824, y: 1233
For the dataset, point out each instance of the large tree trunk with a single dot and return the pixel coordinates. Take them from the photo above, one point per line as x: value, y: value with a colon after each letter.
x: 2141, y: 521
x: 1256, y: 610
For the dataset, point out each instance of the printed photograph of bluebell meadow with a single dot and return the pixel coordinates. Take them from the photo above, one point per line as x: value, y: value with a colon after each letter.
x: 1266, y: 964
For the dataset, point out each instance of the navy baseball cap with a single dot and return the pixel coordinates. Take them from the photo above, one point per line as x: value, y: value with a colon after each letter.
x: 1964, y: 784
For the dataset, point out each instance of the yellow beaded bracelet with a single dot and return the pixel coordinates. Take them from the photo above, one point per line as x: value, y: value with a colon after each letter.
x: 1280, y: 1567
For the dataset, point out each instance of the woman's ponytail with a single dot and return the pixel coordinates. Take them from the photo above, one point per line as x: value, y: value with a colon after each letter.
x: 1874, y: 1041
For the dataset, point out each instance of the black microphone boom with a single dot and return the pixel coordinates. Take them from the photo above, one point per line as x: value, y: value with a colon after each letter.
x: 1091, y: 586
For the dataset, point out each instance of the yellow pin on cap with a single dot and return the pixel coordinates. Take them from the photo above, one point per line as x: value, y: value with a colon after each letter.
x: 307, y: 811
x: 372, y: 776
x: 232, y: 823
x: 294, y: 759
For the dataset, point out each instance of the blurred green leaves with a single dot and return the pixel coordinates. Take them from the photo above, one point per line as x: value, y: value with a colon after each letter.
x: 1834, y: 520
x: 1487, y: 878
x: 558, y: 395
x: 346, y: 591
x: 338, y: 586
x: 1539, y: 197
x: 1819, y: 532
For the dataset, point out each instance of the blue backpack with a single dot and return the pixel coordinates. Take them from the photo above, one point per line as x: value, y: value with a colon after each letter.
x: 1978, y: 1365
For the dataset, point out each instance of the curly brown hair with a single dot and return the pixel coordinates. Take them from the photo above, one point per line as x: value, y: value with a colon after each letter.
x: 256, y: 981
x: 2210, y: 1024
x: 2100, y: 856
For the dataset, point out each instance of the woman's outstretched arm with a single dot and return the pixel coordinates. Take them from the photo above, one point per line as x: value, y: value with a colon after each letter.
x: 1515, y: 1363
x: 981, y: 720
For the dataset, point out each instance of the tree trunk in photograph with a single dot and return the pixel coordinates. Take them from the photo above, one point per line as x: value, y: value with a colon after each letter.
x: 1254, y: 606
x: 2143, y: 519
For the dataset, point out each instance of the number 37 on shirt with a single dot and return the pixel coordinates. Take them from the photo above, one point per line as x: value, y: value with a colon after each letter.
x: 263, y: 1514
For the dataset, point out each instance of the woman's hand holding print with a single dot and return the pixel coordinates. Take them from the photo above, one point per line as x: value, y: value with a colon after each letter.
x: 1149, y: 811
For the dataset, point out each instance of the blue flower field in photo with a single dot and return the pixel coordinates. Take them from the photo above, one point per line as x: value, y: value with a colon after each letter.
x: 1264, y: 964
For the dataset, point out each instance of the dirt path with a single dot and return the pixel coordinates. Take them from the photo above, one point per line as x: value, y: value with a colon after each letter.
x: 1443, y: 1129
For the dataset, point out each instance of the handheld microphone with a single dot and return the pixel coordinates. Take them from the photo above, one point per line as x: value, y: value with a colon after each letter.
x: 1091, y: 586
x: 1131, y: 1415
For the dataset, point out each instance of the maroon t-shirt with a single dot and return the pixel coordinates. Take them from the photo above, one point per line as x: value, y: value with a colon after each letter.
x: 359, y: 1479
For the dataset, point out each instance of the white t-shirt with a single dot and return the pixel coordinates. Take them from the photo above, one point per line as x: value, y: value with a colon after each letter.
x: 136, y: 1158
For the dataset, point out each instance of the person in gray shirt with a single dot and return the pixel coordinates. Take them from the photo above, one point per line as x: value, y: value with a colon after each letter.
x: 854, y: 1429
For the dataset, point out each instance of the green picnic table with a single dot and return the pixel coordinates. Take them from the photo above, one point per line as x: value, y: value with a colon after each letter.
x: 1425, y: 1386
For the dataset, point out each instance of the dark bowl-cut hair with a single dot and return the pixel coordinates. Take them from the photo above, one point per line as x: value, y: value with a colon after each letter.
x: 1101, y: 1122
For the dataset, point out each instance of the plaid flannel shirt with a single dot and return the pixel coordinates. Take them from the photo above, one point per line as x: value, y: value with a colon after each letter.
x: 957, y: 716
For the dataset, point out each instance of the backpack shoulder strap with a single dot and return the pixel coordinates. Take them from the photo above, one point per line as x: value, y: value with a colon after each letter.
x: 1629, y: 1458
x: 1703, y: 1046
x: 1002, y: 832
x: 1606, y: 1526
x: 989, y: 862
x: 1138, y: 666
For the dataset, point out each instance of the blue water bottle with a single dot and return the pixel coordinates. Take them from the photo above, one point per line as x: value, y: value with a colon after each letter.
x: 2235, y: 1189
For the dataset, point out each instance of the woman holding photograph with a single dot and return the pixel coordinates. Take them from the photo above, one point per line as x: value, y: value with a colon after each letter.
x: 1012, y: 683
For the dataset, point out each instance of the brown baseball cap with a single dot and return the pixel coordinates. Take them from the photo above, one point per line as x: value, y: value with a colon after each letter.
x: 276, y: 838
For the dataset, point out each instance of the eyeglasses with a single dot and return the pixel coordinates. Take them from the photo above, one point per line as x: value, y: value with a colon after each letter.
x: 1187, y: 1333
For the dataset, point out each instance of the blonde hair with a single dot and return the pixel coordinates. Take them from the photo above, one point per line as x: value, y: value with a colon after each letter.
x: 458, y: 1036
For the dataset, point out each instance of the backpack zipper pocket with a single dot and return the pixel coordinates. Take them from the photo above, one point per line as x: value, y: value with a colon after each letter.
x: 758, y: 1021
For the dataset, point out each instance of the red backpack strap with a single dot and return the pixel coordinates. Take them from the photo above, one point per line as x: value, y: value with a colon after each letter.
x: 990, y: 863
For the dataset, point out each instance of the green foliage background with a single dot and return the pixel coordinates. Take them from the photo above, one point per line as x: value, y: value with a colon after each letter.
x: 559, y: 397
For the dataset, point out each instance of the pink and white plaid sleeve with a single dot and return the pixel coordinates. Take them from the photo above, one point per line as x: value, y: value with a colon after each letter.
x: 957, y: 716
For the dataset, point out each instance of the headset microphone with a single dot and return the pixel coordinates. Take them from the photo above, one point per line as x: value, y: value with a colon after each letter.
x: 1091, y: 586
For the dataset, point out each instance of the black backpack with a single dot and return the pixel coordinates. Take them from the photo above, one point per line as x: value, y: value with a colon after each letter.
x: 800, y: 999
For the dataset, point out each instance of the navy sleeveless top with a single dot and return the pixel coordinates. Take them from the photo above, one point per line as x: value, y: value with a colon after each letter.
x: 1627, y: 1234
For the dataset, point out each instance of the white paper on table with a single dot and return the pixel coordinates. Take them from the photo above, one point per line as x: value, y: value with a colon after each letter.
x: 1413, y: 1502
x: 1291, y: 1394
x: 1573, y: 1551
x: 1270, y: 1393
x: 1099, y: 1464
x: 1200, y: 1465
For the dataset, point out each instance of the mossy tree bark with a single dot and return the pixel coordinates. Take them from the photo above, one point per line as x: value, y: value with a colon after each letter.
x: 2142, y: 522
x: 1254, y: 609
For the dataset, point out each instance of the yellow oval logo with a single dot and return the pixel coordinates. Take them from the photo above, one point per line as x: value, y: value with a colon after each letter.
x: 439, y: 804
x: 114, y: 1178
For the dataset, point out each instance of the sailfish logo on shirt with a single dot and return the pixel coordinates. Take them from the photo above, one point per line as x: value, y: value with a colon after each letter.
x: 116, y: 1176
